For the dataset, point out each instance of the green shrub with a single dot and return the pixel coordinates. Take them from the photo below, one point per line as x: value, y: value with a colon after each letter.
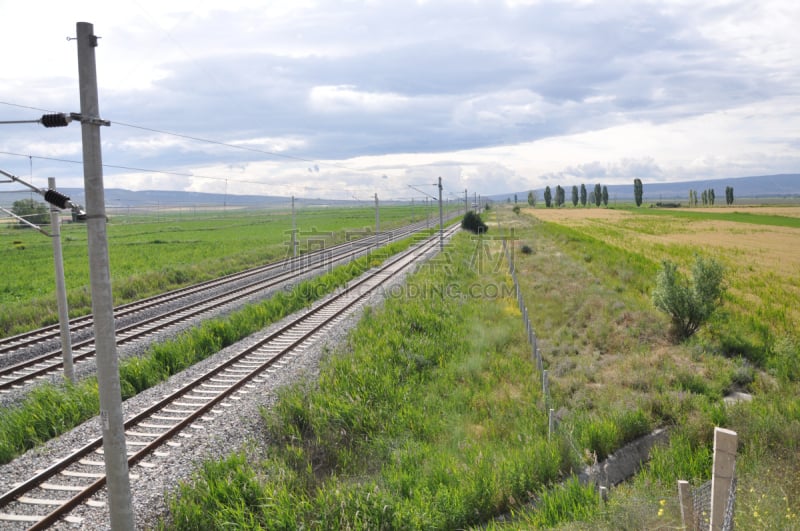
x: 689, y: 302
x: 473, y: 223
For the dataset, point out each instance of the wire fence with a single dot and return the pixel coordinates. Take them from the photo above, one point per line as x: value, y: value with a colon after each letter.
x: 701, y: 505
x: 701, y: 496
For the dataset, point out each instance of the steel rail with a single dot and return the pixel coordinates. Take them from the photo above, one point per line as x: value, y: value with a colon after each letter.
x: 38, y: 366
x: 51, y: 332
x: 355, y: 293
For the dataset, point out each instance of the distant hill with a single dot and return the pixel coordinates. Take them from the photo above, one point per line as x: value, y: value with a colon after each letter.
x: 760, y: 186
x: 116, y: 197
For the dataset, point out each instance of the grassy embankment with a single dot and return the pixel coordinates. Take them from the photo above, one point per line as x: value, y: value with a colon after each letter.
x: 751, y: 344
x: 432, y: 415
x: 156, y: 253
x: 51, y: 410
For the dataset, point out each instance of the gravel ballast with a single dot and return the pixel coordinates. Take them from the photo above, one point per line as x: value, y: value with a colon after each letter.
x: 224, y: 431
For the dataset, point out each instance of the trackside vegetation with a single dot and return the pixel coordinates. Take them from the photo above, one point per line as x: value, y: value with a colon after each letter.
x: 431, y: 416
x: 150, y: 254
x: 422, y: 421
x: 612, y: 349
x: 51, y: 410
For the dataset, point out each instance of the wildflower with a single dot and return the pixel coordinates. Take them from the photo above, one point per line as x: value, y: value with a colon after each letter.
x: 661, y: 512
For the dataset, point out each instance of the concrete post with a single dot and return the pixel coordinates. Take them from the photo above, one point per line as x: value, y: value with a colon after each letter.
x: 441, y: 218
x: 427, y: 214
x: 294, y: 232
x: 377, y: 219
x: 545, y: 386
x: 61, y: 288
x: 722, y: 473
x: 111, y: 420
x: 687, y: 506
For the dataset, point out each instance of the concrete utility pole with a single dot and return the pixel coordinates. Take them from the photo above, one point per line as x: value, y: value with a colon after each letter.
x: 61, y: 289
x: 466, y: 206
x: 377, y: 218
x: 294, y: 232
x: 111, y: 420
x: 57, y: 201
x: 428, y: 214
x: 441, y: 218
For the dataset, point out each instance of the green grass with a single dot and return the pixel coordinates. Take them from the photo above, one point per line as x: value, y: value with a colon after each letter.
x: 736, y: 217
x: 579, y: 295
x: 52, y: 410
x: 431, y: 415
x: 153, y: 254
x: 424, y: 422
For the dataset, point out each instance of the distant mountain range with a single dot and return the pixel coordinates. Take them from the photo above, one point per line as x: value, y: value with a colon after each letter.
x: 760, y: 186
x: 117, y: 197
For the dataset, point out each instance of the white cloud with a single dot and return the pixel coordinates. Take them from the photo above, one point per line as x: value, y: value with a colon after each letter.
x: 489, y: 94
x: 347, y: 98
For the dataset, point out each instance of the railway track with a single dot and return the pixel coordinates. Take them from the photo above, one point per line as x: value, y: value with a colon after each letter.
x: 248, y: 283
x: 48, y: 496
x: 51, y: 333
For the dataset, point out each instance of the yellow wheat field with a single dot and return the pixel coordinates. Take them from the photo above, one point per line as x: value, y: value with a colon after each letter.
x: 763, y: 261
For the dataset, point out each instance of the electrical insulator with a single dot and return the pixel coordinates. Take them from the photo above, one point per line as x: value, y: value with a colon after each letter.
x: 56, y: 198
x: 55, y: 120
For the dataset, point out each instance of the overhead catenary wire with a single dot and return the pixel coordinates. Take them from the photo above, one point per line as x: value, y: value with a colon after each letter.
x: 58, y: 119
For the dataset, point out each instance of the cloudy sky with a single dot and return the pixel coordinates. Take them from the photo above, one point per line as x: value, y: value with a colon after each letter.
x: 348, y: 98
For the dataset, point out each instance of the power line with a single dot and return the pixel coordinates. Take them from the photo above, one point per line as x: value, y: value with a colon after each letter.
x: 219, y: 143
x: 130, y: 168
x: 214, y: 142
x: 25, y: 106
x: 316, y: 162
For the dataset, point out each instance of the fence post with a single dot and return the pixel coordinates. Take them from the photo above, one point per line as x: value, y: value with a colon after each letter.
x: 550, y: 424
x: 722, y: 474
x: 545, y: 388
x: 687, y: 506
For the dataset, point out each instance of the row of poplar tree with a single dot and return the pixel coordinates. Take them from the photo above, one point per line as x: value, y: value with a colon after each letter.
x: 708, y: 197
x: 598, y: 196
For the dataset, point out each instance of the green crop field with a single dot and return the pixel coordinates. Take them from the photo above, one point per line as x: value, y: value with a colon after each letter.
x: 153, y: 253
x: 754, y: 216
x: 431, y: 415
